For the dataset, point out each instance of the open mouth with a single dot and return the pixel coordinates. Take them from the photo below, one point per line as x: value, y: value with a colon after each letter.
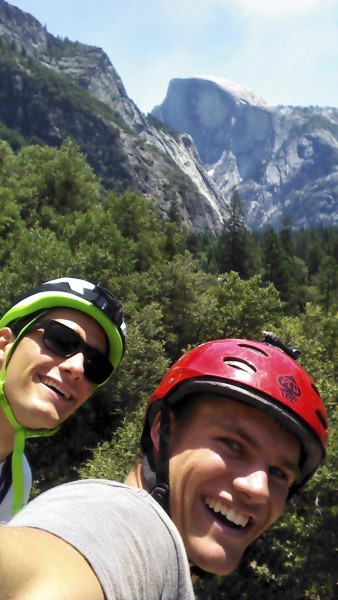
x: 227, y: 516
x: 55, y: 388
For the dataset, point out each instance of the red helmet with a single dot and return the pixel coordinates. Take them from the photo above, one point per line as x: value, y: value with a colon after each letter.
x: 259, y: 375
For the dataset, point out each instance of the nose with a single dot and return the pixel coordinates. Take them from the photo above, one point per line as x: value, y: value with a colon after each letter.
x: 255, y: 485
x: 74, y: 365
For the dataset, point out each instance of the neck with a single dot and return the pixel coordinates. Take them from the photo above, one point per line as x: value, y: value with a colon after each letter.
x: 135, y: 478
x: 7, y: 434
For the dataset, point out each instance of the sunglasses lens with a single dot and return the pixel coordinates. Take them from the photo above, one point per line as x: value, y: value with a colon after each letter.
x: 63, y: 341
x: 97, y: 369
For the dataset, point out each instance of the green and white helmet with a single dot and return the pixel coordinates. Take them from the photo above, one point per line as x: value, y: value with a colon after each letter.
x: 93, y: 300
x: 68, y: 292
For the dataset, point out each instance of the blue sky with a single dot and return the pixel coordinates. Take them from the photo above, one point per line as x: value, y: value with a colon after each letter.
x: 285, y: 50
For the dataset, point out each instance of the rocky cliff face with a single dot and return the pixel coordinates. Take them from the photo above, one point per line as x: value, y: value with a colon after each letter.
x: 282, y: 160
x: 122, y: 146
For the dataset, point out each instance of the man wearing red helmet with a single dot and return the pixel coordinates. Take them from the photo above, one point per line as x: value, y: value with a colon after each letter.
x: 234, y: 429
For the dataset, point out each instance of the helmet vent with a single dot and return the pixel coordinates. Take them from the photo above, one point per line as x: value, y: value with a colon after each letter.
x: 321, y: 419
x: 239, y: 364
x: 254, y: 349
x: 315, y: 389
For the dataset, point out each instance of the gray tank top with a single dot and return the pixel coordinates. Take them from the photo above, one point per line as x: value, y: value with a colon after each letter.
x: 130, y: 542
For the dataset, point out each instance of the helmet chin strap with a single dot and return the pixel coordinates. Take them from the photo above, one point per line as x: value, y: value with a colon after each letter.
x: 21, y: 433
x: 18, y: 448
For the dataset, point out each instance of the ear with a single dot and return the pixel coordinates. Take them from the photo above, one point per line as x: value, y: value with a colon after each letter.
x: 6, y: 337
x: 156, y: 429
x: 155, y: 432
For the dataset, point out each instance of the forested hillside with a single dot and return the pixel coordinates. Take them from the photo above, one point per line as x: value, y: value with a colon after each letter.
x: 178, y: 289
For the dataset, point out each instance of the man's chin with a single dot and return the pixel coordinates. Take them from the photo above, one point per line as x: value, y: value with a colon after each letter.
x: 48, y: 419
x: 221, y: 565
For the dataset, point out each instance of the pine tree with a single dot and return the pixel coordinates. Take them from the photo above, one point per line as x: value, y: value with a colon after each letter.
x: 234, y: 250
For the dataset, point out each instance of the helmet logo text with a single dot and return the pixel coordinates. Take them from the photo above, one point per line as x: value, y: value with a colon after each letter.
x: 289, y: 388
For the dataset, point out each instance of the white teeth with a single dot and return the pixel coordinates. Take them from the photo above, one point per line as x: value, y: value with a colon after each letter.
x: 50, y: 383
x: 231, y: 514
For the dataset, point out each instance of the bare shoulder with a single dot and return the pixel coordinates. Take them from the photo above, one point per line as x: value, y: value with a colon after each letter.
x: 35, y: 565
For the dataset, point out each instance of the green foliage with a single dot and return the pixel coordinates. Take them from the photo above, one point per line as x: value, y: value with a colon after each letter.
x: 326, y: 282
x: 139, y: 223
x: 235, y: 248
x: 56, y: 219
x: 48, y: 183
x: 144, y: 361
x: 245, y: 307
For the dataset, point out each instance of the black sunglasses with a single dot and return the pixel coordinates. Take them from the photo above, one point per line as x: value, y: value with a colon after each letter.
x: 64, y: 341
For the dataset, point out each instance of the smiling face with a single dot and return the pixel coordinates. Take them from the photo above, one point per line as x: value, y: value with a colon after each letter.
x: 230, y: 470
x: 42, y: 388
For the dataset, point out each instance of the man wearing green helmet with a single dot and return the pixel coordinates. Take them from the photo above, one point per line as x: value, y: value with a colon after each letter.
x: 58, y: 342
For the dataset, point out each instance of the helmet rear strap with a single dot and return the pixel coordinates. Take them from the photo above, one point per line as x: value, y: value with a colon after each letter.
x: 158, y: 481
